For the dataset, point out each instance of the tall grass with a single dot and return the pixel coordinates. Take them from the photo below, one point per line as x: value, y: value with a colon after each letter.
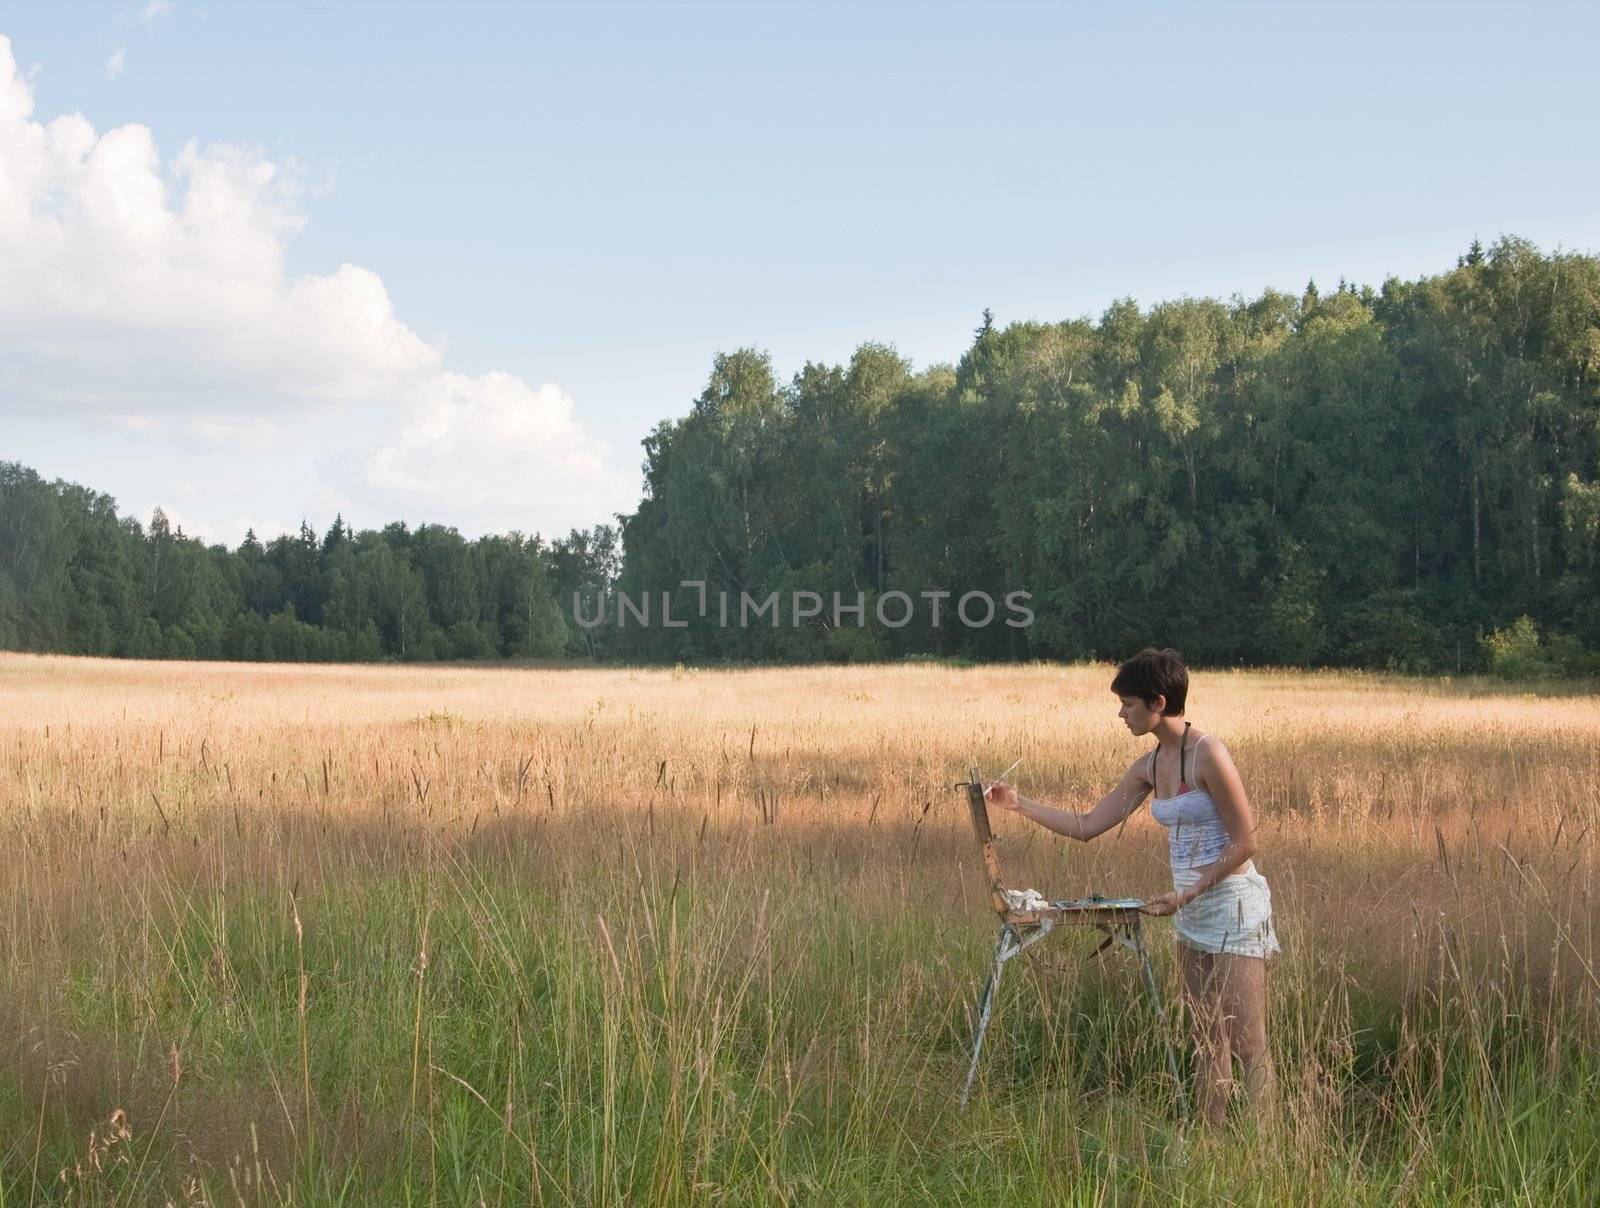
x: 400, y: 936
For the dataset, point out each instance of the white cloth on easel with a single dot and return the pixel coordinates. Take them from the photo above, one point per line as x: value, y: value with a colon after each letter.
x: 1026, y: 899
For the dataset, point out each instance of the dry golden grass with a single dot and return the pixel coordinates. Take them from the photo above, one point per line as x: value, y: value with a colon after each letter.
x: 1431, y: 847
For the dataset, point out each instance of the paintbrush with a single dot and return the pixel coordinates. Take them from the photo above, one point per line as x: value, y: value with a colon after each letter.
x: 1009, y: 770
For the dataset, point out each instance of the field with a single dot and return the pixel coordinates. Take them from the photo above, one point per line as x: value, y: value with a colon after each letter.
x: 456, y: 936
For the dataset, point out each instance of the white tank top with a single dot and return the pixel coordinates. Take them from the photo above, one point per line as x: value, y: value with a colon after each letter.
x: 1195, y: 834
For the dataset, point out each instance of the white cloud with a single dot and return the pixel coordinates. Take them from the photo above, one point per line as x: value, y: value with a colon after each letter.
x: 249, y: 433
x: 476, y: 441
x: 237, y: 431
x: 136, y: 423
x: 115, y: 64
x: 132, y: 286
x: 146, y: 14
x: 138, y: 292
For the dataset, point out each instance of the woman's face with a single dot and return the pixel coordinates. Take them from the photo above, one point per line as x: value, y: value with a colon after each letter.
x: 1139, y: 717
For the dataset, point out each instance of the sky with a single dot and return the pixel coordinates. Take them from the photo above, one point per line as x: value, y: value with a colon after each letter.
x: 265, y: 263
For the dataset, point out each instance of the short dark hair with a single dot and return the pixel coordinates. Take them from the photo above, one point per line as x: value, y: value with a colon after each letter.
x: 1152, y: 673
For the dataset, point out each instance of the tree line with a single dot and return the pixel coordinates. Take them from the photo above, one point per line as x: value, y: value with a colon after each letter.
x: 1403, y: 478
x: 77, y: 578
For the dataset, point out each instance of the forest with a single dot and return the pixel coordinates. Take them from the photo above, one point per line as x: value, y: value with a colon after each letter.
x: 1403, y: 478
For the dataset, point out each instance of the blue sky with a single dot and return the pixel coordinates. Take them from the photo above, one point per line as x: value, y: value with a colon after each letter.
x: 561, y: 212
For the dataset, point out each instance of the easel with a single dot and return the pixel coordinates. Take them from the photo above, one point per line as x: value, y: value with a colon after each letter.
x: 1022, y: 926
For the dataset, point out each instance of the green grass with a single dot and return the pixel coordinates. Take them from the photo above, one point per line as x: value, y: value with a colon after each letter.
x: 391, y: 937
x: 669, y: 1036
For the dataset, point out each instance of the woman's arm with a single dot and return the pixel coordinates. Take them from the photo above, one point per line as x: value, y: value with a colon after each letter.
x: 1221, y: 779
x: 1108, y: 811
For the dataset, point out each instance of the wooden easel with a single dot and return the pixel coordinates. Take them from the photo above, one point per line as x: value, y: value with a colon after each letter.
x: 1118, y: 918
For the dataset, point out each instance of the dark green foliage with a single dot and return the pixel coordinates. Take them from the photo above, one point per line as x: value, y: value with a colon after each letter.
x: 1355, y: 478
x: 75, y: 578
x: 1347, y: 478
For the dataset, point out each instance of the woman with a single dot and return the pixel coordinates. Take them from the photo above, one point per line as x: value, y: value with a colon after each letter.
x: 1223, y: 906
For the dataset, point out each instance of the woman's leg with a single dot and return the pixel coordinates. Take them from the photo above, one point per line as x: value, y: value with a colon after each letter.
x: 1240, y: 987
x: 1213, y: 1061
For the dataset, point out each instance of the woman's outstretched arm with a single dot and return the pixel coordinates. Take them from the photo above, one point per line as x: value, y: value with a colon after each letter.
x: 1108, y: 811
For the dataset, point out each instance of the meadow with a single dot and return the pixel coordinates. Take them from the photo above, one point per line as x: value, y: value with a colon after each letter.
x: 381, y: 935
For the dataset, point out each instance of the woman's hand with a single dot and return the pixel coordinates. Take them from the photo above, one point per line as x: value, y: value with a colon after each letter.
x: 1164, y: 904
x: 998, y: 792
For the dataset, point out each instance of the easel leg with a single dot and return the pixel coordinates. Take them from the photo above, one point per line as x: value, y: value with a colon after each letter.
x: 1155, y: 1001
x: 986, y: 1007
